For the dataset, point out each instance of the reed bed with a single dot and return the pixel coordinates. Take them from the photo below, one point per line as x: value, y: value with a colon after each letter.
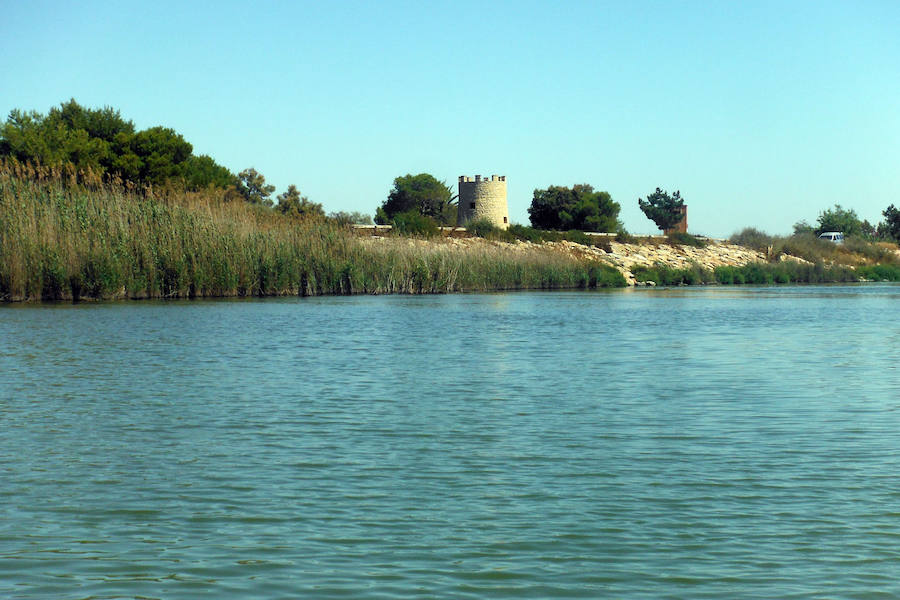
x: 758, y: 274
x: 67, y: 236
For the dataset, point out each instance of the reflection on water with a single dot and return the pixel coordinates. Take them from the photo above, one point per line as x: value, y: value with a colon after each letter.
x: 694, y: 442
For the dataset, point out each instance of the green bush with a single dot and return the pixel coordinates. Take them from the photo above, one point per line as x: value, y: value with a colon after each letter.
x: 808, y: 247
x: 724, y: 275
x: 780, y: 274
x: 603, y: 276
x: 753, y: 238
x: 804, y: 244
x: 484, y: 228
x: 758, y: 274
x: 412, y: 223
x: 623, y: 237
x: 526, y: 234
x: 537, y: 236
x: 685, y: 239
x: 579, y: 237
x: 871, y: 251
x: 663, y: 275
x: 884, y: 272
x: 784, y: 272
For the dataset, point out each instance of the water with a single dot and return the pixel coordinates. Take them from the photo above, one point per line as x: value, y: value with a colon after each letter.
x: 689, y: 443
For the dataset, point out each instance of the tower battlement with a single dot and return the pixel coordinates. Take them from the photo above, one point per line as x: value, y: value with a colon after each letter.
x: 468, y: 179
x: 482, y: 198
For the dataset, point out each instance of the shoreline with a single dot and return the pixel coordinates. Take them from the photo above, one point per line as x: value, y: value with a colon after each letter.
x: 61, y: 241
x: 630, y: 261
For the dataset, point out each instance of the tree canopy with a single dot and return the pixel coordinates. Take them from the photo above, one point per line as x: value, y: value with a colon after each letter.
x: 351, y: 218
x: 839, y: 219
x: 578, y: 207
x: 891, y: 225
x: 291, y: 203
x: 253, y: 187
x: 423, y: 194
x: 663, y: 209
x: 101, y: 140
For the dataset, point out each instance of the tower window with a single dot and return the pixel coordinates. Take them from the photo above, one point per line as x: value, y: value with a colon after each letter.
x: 471, y: 205
x: 505, y: 220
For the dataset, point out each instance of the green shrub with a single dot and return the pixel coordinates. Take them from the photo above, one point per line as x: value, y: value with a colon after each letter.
x: 784, y: 272
x: 753, y: 238
x: 884, y: 272
x: 724, y: 275
x: 537, y: 236
x: 804, y: 244
x: 870, y: 251
x: 664, y: 275
x: 758, y: 274
x: 604, y: 276
x: 482, y: 228
x: 526, y: 234
x: 412, y: 223
x: 685, y: 239
x: 579, y: 237
x: 780, y: 274
x: 623, y: 237
x: 808, y: 247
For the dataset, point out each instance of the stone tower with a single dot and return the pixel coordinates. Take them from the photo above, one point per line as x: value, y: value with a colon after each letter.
x: 680, y: 226
x: 482, y: 198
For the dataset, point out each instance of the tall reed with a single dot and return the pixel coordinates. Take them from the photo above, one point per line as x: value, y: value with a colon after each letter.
x: 753, y: 273
x: 66, y: 236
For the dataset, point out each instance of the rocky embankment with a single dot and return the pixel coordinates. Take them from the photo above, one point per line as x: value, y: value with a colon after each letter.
x: 626, y: 256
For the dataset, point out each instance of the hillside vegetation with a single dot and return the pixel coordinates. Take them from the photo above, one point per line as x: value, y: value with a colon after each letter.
x: 75, y: 236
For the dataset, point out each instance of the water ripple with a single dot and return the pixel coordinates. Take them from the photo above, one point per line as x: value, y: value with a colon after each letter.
x: 702, y: 443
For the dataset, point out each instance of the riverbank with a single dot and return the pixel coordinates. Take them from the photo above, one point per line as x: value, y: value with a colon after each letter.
x: 62, y: 241
x: 637, y: 257
x: 719, y: 262
x: 657, y: 261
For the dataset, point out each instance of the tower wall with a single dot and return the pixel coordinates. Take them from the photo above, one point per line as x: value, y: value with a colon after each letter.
x: 482, y: 198
x: 681, y: 226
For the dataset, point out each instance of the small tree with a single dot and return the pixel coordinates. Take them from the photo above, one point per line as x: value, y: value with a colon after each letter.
x: 252, y: 186
x: 891, y: 222
x: 839, y: 219
x: 802, y: 227
x: 202, y: 171
x: 102, y: 141
x: 869, y: 231
x: 663, y: 209
x: 291, y: 203
x: 421, y: 193
x: 414, y: 223
x: 351, y: 218
x: 162, y: 153
x: 578, y: 207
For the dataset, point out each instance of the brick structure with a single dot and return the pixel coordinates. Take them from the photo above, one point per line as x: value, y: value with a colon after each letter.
x: 482, y: 198
x: 681, y: 226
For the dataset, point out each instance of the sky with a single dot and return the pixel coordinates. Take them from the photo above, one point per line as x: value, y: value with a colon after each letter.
x: 760, y: 113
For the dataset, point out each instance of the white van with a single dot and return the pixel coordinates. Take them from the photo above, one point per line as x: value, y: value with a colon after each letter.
x: 832, y: 236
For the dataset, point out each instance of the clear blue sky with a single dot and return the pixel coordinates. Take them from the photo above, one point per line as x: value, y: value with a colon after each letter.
x: 761, y: 113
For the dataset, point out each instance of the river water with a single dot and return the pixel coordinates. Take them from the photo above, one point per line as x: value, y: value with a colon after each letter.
x: 705, y: 442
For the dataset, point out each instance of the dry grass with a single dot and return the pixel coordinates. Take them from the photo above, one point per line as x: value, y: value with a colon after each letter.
x: 68, y: 236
